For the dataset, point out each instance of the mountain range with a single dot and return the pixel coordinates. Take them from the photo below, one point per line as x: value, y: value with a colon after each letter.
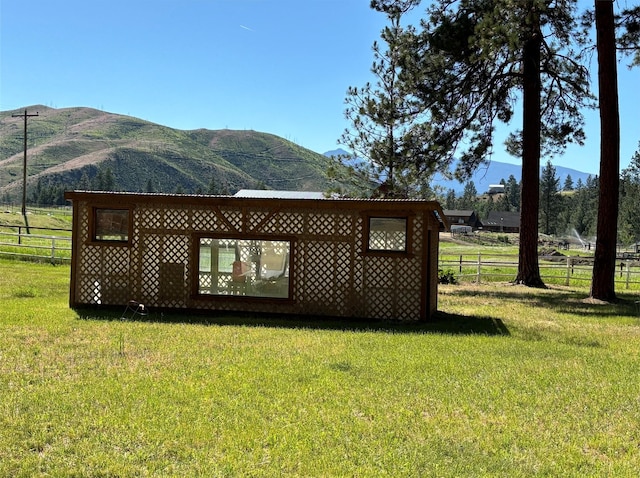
x: 71, y: 147
x: 76, y: 148
x: 485, y: 175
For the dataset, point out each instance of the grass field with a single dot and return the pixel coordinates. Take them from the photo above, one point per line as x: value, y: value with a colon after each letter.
x: 508, y: 381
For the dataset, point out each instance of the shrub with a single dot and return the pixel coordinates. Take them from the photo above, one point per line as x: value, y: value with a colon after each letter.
x: 446, y: 277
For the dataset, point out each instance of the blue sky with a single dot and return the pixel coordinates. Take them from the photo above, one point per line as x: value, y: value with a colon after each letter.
x: 277, y: 66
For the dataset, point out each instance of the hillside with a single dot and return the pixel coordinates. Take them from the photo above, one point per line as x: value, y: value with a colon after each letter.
x: 76, y: 147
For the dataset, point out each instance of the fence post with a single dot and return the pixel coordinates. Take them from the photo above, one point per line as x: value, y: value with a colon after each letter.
x: 53, y: 250
x: 566, y: 282
x: 628, y: 273
x: 19, y: 234
x: 460, y: 269
x: 479, y: 267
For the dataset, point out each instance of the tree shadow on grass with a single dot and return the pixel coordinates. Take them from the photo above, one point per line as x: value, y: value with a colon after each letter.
x: 440, y: 323
x: 561, y: 301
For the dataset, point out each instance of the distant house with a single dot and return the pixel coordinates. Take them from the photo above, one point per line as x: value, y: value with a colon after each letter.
x: 462, y: 218
x: 494, y: 193
x: 496, y: 189
x: 502, y: 221
x: 285, y: 255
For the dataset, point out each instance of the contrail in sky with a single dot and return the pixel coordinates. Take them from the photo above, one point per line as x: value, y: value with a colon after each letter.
x: 246, y: 28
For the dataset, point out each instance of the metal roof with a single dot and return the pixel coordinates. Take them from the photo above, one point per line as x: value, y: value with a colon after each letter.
x: 273, y: 194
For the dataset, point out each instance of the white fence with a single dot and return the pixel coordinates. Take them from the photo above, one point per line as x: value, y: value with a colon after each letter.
x: 564, y: 270
x: 16, y: 242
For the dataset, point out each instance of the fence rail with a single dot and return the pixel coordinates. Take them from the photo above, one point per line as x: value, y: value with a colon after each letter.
x: 16, y: 243
x: 564, y: 270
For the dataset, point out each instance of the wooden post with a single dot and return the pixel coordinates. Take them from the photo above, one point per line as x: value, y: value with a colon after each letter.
x: 628, y: 274
x: 25, y: 115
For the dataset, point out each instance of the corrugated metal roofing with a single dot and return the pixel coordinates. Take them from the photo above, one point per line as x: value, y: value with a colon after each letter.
x: 273, y: 194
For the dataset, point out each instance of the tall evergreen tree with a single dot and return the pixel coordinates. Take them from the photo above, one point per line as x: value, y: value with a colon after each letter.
x: 583, y: 206
x: 630, y: 201
x: 213, y: 187
x: 450, y: 201
x: 603, y: 279
x: 85, y: 183
x: 469, y: 196
x: 471, y: 60
x: 549, y: 199
x: 512, y: 193
x: 568, y: 183
x: 380, y: 114
x: 604, y: 265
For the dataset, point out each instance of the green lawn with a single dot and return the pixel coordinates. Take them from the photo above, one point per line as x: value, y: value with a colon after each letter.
x: 508, y: 382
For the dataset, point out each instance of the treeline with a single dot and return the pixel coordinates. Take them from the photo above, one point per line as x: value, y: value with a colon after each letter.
x: 565, y: 209
x: 50, y: 191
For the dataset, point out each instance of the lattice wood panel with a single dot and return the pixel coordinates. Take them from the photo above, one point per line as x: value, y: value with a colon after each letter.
x: 320, y: 224
x: 83, y: 223
x: 418, y: 234
x: 150, y: 268
x: 205, y: 220
x: 105, y: 276
x: 325, y: 277
x: 289, y: 223
x: 263, y: 221
x: 165, y: 270
x: 149, y: 218
x: 234, y: 218
x: 176, y: 219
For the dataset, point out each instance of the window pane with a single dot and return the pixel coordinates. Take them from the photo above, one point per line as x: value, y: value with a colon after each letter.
x: 388, y: 234
x: 112, y: 225
x: 252, y: 268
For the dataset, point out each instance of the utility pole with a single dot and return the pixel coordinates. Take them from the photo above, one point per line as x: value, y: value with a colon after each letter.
x: 25, y: 115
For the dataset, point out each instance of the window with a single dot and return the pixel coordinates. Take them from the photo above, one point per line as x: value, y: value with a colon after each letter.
x: 387, y: 234
x: 111, y: 225
x: 244, y: 267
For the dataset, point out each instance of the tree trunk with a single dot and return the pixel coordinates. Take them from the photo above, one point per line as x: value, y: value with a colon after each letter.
x: 604, y: 267
x: 528, y: 268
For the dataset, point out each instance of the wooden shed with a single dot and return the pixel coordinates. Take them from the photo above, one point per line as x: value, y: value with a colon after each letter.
x: 324, y: 257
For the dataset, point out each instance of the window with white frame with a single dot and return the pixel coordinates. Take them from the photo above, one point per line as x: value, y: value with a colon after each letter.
x: 244, y: 267
x: 387, y: 234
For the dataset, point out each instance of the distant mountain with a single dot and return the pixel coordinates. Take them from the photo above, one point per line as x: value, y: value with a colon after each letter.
x: 71, y: 148
x: 488, y: 174
x: 345, y: 155
x: 493, y: 172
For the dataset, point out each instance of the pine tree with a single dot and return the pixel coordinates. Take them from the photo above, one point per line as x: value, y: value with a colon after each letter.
x: 630, y: 201
x: 512, y: 193
x: 469, y: 196
x: 550, y: 200
x: 450, y: 200
x: 472, y: 60
x: 213, y: 188
x: 85, y: 183
x: 568, y: 183
x: 603, y: 279
x: 380, y: 114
